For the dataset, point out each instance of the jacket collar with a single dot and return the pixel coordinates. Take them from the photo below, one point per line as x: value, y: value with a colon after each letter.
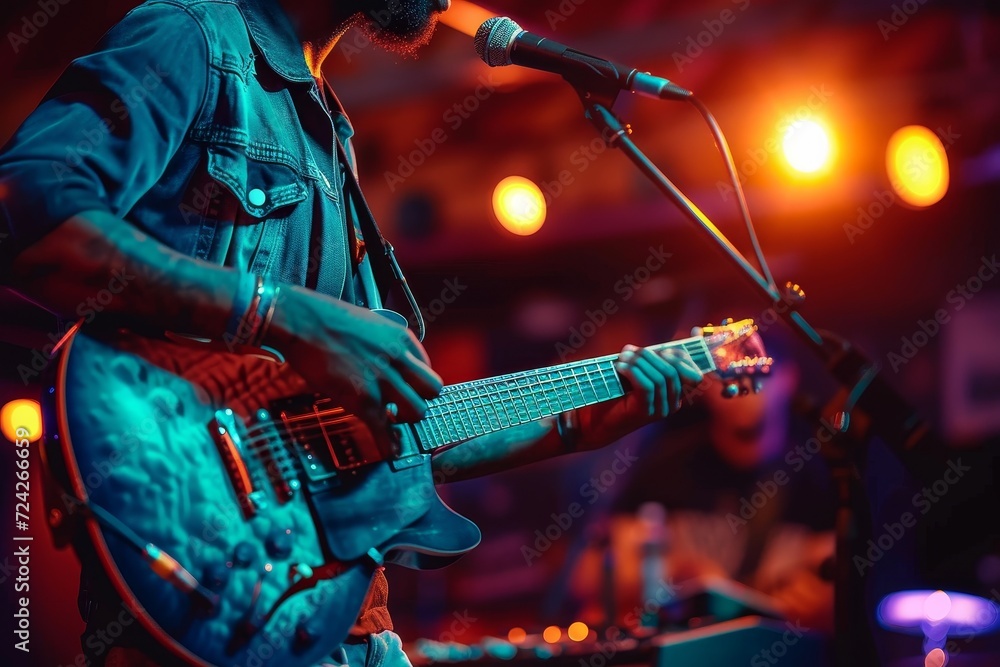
x: 272, y: 30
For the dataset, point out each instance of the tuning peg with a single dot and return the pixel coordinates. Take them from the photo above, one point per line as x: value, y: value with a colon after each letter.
x: 730, y: 390
x: 794, y: 292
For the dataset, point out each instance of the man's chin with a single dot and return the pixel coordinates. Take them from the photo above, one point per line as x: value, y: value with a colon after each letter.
x: 406, y: 34
x: 410, y: 43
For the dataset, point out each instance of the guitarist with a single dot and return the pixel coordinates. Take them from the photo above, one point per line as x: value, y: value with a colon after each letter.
x: 189, y: 165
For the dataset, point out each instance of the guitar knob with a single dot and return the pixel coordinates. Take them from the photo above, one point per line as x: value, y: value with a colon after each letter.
x: 244, y: 554
x: 730, y: 390
x: 216, y: 576
x: 278, y: 544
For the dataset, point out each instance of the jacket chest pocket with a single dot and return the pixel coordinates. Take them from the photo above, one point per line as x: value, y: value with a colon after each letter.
x: 265, y: 194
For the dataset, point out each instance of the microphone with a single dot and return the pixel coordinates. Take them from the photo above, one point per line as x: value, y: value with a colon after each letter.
x: 500, y: 42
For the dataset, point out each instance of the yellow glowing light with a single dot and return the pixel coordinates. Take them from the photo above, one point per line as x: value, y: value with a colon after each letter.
x: 24, y: 414
x: 806, y: 146
x: 519, y: 205
x: 917, y: 166
x: 578, y: 631
x: 551, y: 634
x: 516, y: 635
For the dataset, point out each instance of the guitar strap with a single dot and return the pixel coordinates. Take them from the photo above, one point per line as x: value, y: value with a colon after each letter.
x: 380, y: 252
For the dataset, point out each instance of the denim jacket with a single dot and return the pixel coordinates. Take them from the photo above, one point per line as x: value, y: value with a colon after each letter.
x: 199, y: 122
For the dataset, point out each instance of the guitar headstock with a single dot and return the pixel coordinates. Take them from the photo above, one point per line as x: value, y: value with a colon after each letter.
x: 738, y: 353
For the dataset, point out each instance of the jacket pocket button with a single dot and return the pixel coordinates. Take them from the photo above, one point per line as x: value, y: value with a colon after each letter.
x: 256, y: 197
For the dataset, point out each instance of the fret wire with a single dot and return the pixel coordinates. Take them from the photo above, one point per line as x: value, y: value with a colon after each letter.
x: 590, y: 383
x: 475, y: 415
x: 567, y: 381
x: 521, y: 404
x: 528, y: 387
x: 540, y: 385
x: 475, y: 425
x: 459, y: 419
x: 440, y: 430
x: 423, y: 442
x: 604, y: 382
x: 575, y: 382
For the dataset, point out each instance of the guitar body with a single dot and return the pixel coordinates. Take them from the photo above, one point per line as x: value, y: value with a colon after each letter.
x: 241, y: 516
x: 137, y: 434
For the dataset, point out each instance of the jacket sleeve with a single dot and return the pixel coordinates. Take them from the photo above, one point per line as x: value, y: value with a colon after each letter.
x: 106, y: 131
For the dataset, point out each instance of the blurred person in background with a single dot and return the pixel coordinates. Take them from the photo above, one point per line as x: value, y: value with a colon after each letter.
x: 730, y: 497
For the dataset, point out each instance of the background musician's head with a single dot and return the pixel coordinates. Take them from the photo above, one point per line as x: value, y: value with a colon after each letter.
x: 751, y: 430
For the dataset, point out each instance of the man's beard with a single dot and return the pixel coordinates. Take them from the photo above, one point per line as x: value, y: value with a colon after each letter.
x: 400, y: 26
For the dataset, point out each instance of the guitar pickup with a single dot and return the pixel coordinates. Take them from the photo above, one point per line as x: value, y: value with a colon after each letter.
x: 225, y: 432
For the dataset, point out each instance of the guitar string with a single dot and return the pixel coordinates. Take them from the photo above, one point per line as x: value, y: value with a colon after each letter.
x: 255, y: 434
x: 494, y: 386
x: 446, y: 432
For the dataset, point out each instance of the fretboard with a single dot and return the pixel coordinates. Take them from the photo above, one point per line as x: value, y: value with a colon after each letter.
x: 471, y: 409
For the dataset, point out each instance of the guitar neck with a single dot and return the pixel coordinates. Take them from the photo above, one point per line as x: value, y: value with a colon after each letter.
x: 471, y: 409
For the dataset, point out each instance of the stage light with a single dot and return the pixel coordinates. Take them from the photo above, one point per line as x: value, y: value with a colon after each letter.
x: 516, y: 635
x: 915, y: 611
x: 551, y: 634
x: 936, y: 657
x: 917, y: 165
x: 578, y: 631
x: 806, y: 145
x: 21, y: 413
x: 519, y: 205
x: 936, y: 606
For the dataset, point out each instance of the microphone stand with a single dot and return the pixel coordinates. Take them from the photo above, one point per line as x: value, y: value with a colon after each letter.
x: 869, y: 396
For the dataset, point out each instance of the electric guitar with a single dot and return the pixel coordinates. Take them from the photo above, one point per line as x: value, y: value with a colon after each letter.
x: 241, y: 516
